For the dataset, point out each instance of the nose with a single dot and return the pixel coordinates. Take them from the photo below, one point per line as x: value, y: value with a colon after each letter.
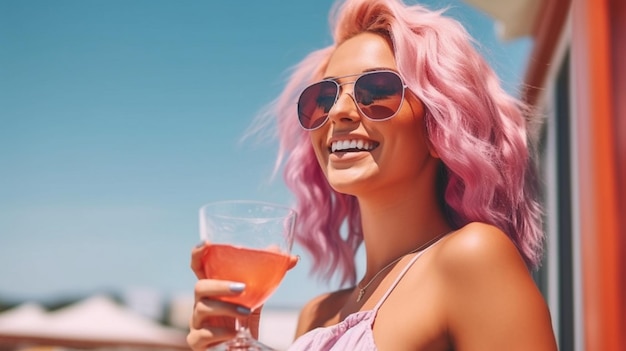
x: 345, y: 109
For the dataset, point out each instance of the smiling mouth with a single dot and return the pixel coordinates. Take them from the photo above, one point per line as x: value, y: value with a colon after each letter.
x: 352, y: 146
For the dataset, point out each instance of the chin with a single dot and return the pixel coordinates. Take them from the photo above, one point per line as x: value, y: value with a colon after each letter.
x: 349, y: 185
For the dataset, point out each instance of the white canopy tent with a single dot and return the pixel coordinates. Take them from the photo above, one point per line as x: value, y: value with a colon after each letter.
x: 97, y: 321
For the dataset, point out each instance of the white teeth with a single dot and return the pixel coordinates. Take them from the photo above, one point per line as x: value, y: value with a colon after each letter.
x: 351, y: 144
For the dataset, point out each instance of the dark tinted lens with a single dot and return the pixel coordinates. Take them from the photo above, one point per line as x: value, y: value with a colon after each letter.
x: 315, y: 102
x: 379, y: 94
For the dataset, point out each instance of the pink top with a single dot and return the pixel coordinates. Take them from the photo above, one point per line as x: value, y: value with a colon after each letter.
x: 354, y: 332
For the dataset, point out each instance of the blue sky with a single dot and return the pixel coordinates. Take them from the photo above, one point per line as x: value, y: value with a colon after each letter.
x: 119, y: 119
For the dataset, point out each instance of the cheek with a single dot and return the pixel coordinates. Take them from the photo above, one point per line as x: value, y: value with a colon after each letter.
x: 415, y: 106
x: 409, y: 123
x: 414, y: 124
x: 408, y: 136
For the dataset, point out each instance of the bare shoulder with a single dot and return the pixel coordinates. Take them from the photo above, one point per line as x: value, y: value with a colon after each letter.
x: 319, y: 310
x: 479, y: 246
x: 482, y: 262
x: 491, y: 299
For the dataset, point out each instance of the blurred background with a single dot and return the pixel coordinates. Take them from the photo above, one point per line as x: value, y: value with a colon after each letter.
x: 119, y: 119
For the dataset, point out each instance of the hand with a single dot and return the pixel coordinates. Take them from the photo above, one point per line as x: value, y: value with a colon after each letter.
x: 213, y: 321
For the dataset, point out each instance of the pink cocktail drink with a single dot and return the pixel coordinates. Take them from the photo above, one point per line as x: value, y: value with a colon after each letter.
x: 261, y: 271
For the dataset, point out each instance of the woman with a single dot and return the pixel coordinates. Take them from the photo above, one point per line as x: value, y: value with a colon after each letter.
x: 405, y: 140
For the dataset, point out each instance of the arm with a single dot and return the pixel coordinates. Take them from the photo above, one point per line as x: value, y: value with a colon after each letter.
x: 493, y: 303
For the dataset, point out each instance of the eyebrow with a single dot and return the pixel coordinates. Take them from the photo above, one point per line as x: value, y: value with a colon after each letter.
x: 364, y: 71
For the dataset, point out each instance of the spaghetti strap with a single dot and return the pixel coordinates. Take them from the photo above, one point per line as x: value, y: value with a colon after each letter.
x: 402, y: 273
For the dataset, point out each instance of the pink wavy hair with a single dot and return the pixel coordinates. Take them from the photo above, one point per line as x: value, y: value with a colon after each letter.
x: 478, y: 130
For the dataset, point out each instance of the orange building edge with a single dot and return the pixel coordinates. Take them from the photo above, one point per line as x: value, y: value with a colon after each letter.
x: 598, y: 44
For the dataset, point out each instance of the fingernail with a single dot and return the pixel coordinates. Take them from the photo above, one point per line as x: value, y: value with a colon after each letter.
x: 237, y: 287
x: 243, y: 310
x: 200, y: 245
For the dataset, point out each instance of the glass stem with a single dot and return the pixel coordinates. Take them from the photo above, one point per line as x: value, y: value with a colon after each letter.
x: 244, y: 341
x: 241, y: 325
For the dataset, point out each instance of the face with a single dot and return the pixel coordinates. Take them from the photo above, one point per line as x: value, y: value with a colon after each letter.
x: 384, y: 154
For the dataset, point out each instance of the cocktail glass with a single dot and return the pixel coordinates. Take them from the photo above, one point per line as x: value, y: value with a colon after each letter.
x: 249, y: 242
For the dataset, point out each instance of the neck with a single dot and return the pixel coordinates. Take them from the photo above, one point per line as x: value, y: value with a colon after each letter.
x: 395, y: 225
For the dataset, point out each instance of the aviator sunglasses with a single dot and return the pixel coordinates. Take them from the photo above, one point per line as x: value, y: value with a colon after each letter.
x: 378, y: 96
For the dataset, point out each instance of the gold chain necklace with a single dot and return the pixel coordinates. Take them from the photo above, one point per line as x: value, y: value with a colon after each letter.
x: 421, y: 247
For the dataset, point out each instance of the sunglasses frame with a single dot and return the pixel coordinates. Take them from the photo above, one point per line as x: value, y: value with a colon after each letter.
x: 338, y: 94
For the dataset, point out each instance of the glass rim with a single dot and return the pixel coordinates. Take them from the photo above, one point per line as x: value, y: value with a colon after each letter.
x: 285, y: 211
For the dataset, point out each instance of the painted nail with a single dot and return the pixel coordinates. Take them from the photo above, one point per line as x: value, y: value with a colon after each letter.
x: 243, y: 310
x: 237, y: 287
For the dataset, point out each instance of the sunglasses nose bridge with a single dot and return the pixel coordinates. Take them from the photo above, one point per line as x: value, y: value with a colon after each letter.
x: 343, y: 110
x: 341, y: 90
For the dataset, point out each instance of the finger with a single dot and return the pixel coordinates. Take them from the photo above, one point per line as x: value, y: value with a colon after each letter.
x: 200, y: 339
x: 197, y: 253
x: 211, y: 288
x: 216, y: 314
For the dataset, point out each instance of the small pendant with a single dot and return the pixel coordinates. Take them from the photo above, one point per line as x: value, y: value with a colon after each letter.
x: 361, y: 293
